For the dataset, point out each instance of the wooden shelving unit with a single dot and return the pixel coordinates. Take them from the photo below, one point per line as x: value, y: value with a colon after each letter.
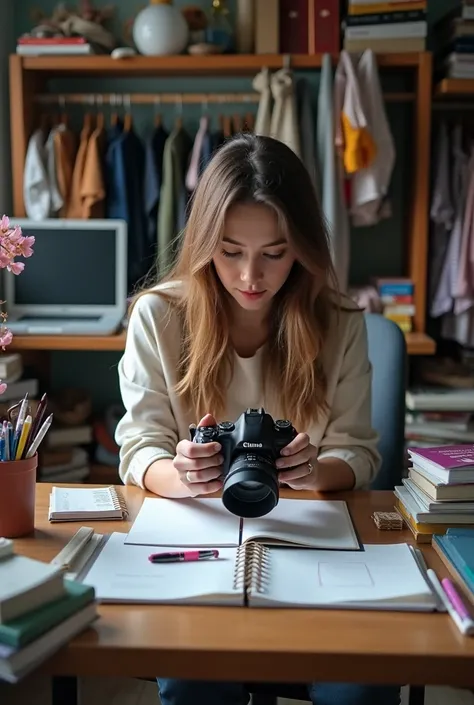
x: 454, y: 88
x: 217, y: 65
x: 29, y: 76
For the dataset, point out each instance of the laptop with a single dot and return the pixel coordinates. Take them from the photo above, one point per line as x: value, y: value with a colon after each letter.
x: 75, y: 283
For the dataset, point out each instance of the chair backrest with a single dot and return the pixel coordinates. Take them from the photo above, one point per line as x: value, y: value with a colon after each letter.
x: 388, y: 355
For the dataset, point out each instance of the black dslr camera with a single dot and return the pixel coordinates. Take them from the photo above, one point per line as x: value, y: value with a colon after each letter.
x: 250, y: 447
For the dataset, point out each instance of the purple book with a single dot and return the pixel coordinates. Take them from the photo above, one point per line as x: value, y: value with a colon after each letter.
x: 447, y: 457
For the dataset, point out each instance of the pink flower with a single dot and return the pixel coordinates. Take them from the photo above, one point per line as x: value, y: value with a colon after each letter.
x: 16, y: 267
x: 4, y: 223
x: 3, y: 387
x: 6, y: 337
x: 26, y: 246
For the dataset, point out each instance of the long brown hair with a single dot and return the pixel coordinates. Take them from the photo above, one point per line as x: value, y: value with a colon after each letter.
x: 256, y: 169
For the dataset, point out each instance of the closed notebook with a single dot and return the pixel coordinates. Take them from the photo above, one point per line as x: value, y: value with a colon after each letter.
x: 86, y: 503
x: 26, y: 584
x: 206, y: 522
x: 254, y: 575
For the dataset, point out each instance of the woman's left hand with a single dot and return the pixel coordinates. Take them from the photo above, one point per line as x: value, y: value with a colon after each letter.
x: 298, y: 464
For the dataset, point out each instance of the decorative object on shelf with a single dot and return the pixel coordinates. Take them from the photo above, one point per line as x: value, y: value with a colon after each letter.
x: 245, y: 27
x: 86, y: 22
x: 197, y: 24
x: 13, y: 244
x: 219, y: 31
x: 160, y: 29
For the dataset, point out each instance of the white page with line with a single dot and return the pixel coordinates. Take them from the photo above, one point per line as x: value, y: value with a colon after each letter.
x: 380, y: 577
x: 305, y: 522
x: 122, y: 573
x: 184, y: 522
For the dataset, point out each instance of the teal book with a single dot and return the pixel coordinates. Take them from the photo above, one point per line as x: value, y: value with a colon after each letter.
x: 458, y: 545
x: 22, y: 630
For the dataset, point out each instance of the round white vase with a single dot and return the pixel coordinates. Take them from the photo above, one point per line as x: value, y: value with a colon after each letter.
x: 160, y: 29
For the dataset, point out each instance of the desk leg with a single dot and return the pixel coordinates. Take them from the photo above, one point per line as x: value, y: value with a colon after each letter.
x: 416, y: 695
x: 64, y: 690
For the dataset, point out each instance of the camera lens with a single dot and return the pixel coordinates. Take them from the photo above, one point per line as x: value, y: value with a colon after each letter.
x: 251, y: 486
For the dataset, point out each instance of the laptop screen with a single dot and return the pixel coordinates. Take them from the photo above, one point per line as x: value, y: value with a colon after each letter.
x: 70, y: 267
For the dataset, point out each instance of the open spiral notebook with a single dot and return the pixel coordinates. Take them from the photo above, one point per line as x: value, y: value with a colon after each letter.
x: 383, y: 577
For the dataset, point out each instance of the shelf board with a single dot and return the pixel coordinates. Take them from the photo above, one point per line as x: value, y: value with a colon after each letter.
x: 417, y: 343
x: 454, y: 88
x: 220, y: 64
x: 68, y: 342
x: 420, y: 344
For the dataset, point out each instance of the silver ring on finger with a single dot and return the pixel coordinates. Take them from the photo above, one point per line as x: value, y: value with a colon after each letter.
x: 310, y: 468
x: 188, y: 477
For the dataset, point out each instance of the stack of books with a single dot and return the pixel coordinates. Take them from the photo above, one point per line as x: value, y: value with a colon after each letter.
x: 438, y: 415
x: 453, y: 38
x: 438, y: 493
x: 40, y: 611
x: 396, y: 296
x: 386, y: 26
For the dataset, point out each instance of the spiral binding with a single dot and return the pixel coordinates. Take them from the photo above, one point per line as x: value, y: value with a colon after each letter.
x: 119, y: 501
x: 252, y: 567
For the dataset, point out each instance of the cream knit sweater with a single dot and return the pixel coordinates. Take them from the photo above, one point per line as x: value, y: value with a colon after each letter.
x: 155, y: 420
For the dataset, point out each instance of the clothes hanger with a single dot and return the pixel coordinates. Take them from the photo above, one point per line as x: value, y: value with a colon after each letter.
x: 100, y: 117
x: 63, y: 116
x: 158, y: 120
x: 249, y: 121
x: 128, y: 120
x: 179, y: 118
x: 114, y: 117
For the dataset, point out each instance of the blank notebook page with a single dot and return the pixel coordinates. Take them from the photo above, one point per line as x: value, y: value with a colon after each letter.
x: 184, y: 522
x: 305, y: 522
x: 123, y: 573
x: 384, y: 577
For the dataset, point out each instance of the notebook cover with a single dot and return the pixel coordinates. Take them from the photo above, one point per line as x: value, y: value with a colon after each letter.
x: 447, y: 457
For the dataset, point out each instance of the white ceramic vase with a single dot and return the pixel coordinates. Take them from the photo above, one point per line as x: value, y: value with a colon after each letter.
x: 160, y: 29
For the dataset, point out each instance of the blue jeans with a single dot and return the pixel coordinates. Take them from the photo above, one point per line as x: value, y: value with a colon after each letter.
x: 182, y: 692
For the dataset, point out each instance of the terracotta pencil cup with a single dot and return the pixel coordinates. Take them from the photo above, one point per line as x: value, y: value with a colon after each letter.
x: 17, y: 497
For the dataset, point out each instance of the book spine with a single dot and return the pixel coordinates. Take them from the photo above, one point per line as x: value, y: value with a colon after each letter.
x: 119, y: 501
x: 386, y: 18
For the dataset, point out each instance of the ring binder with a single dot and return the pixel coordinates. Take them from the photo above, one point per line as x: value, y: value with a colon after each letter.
x: 252, y: 568
x: 119, y: 501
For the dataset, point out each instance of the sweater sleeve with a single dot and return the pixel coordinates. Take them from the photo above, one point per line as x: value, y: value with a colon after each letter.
x: 349, y: 433
x: 148, y: 429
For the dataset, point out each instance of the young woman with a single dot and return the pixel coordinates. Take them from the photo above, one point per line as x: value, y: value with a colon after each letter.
x: 249, y: 317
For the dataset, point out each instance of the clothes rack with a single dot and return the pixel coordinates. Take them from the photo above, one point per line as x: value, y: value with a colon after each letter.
x: 170, y: 98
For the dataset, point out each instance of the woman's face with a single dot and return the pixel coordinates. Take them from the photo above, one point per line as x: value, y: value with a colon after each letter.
x: 254, y: 259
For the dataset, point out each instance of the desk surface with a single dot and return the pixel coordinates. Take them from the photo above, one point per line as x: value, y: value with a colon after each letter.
x: 289, y: 645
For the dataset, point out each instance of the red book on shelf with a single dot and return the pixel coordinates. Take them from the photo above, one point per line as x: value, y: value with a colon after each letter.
x: 294, y: 26
x: 323, y: 26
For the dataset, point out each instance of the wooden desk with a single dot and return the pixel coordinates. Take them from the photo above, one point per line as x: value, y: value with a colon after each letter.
x: 273, y: 645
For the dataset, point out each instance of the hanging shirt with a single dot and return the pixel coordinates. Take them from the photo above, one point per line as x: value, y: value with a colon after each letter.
x: 125, y: 169
x: 74, y: 206
x: 36, y: 193
x: 173, y: 199
x: 65, y: 148
x: 306, y: 128
x: 193, y: 172
x: 332, y: 177
x: 261, y: 84
x: 56, y: 198
x: 154, y: 150
x: 93, y: 183
x: 284, y: 122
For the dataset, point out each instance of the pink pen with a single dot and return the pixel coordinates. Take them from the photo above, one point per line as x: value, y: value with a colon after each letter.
x: 178, y: 556
x: 456, y: 599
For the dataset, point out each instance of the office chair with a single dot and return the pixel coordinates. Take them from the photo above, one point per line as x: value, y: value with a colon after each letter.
x: 388, y: 356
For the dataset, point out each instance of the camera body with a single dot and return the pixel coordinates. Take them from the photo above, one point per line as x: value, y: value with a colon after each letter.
x: 250, y: 447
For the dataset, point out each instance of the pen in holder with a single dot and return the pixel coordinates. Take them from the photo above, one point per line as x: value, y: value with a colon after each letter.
x: 17, y: 497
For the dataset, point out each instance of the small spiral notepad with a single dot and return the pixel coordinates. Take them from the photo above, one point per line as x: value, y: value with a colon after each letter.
x: 88, y: 503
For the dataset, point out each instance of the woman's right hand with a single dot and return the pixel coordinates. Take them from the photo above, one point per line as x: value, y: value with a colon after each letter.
x: 199, y: 465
